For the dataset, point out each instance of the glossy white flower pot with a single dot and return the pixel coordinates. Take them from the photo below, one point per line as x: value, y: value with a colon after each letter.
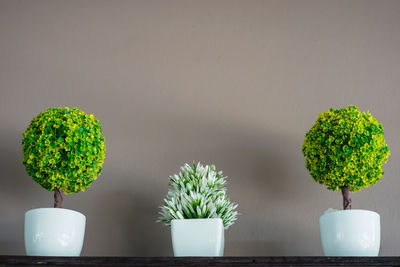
x: 197, y: 237
x: 350, y: 233
x: 54, y: 232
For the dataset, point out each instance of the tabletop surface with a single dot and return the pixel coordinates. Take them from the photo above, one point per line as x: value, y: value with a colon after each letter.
x: 198, y: 261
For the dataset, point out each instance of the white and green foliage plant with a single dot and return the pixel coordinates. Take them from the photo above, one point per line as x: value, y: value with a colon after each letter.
x: 198, y: 192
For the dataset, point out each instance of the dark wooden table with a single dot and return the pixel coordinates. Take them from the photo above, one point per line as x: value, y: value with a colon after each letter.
x: 198, y: 261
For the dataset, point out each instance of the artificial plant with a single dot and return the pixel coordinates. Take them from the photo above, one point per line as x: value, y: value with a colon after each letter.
x: 63, y: 151
x: 345, y: 150
x: 198, y: 192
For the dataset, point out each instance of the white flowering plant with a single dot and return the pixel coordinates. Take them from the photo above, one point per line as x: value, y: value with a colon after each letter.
x: 198, y: 192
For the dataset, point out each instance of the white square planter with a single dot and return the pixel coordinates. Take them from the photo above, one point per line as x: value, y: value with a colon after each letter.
x: 350, y: 233
x: 54, y: 232
x: 197, y: 237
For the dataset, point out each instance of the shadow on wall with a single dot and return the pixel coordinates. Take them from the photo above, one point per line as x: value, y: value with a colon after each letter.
x: 264, y: 180
x: 14, y: 178
x: 124, y: 223
x: 15, y: 192
x: 264, y: 177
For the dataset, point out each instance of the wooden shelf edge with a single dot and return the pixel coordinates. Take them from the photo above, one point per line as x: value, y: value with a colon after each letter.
x: 198, y: 261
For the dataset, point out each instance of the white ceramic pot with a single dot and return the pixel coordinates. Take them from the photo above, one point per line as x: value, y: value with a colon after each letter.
x: 350, y: 233
x: 197, y: 237
x: 54, y: 232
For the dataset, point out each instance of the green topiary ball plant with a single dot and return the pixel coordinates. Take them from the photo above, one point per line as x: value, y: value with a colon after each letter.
x: 345, y: 150
x: 198, y: 192
x: 63, y: 151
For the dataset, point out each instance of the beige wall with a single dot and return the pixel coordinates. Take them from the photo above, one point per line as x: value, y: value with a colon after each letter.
x: 235, y: 83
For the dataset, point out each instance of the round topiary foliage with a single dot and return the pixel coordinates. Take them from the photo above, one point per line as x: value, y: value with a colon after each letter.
x: 345, y: 149
x: 63, y: 150
x: 198, y: 192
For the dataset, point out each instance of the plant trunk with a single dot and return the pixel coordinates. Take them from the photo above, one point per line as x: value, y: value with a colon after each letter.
x: 58, y: 198
x: 346, y: 198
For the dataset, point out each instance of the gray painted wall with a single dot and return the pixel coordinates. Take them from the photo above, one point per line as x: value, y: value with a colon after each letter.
x: 235, y: 83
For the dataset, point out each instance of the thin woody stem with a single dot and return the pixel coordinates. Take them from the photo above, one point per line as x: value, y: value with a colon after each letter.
x: 346, y: 198
x: 58, y: 198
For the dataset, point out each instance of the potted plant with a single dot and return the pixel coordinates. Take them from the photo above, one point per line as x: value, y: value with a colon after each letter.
x: 198, y: 210
x: 63, y: 152
x: 345, y: 150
